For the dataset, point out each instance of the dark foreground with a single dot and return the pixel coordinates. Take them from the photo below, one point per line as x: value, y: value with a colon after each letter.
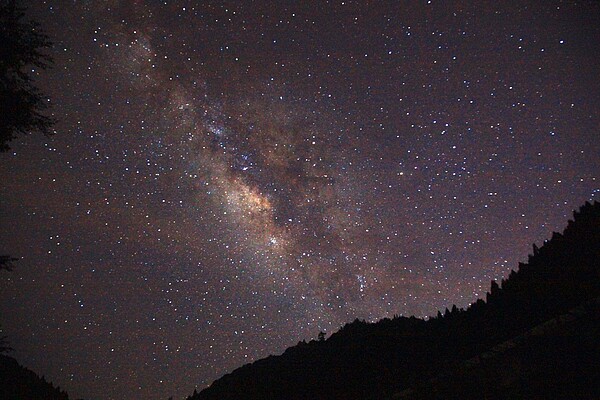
x: 536, y: 336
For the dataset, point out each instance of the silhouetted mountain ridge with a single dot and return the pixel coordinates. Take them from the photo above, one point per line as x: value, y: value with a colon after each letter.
x: 20, y: 383
x: 384, y: 359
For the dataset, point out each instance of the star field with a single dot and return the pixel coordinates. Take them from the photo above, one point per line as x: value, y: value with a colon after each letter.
x: 228, y: 178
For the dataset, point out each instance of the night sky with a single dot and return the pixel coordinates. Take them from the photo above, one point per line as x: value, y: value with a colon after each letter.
x: 228, y: 178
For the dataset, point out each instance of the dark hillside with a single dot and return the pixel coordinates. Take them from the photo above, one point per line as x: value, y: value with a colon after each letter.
x: 405, y: 356
x: 558, y: 359
x: 20, y: 383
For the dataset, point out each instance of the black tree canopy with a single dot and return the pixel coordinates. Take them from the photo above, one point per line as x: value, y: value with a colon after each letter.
x: 22, y: 47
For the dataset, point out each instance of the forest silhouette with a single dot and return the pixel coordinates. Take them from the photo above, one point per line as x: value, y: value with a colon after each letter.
x: 535, y: 336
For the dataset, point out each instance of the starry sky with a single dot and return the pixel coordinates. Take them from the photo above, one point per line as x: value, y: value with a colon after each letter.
x: 230, y: 177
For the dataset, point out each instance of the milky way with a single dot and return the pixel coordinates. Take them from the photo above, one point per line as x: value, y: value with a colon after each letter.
x: 228, y: 178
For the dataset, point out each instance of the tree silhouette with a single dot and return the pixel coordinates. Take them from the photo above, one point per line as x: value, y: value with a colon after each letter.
x: 321, y: 336
x: 4, y: 347
x: 535, y: 337
x: 22, y: 46
x: 18, y: 383
x: 6, y: 264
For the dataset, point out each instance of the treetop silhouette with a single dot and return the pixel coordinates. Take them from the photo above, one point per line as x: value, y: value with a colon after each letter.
x: 23, y: 48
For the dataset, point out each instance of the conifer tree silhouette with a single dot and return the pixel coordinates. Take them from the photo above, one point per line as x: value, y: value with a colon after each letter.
x: 22, y: 48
